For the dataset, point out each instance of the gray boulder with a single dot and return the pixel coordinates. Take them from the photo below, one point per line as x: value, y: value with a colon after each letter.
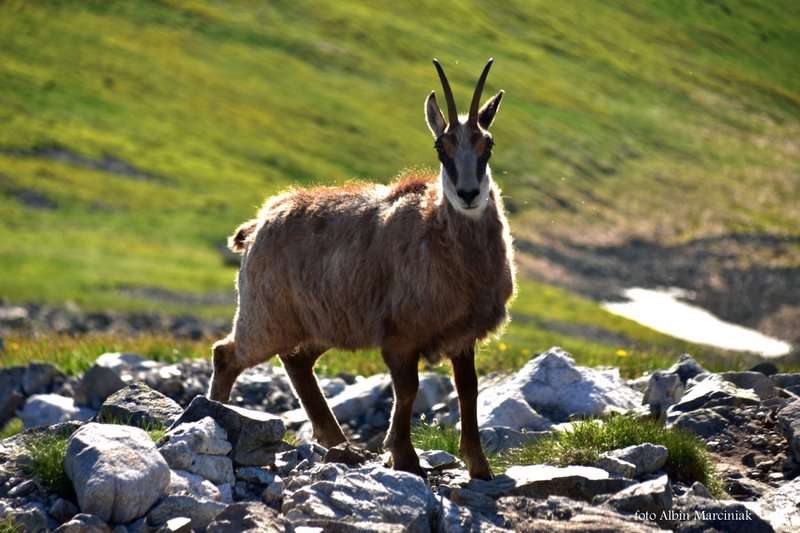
x: 701, y: 422
x: 248, y: 518
x: 557, y: 388
x: 116, y: 471
x: 139, y: 405
x: 254, y: 435
x: 97, y: 384
x: 756, y: 381
x: 541, y: 481
x: 788, y: 418
x: 39, y: 378
x: 50, y: 409
x: 654, y: 496
x: 780, y: 507
x: 11, y: 395
x: 712, y: 391
x: 200, y: 511
x: 646, y: 458
x: 376, y: 498
x: 507, y: 407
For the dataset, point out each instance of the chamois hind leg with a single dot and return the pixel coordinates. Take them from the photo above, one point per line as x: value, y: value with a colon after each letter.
x: 299, y: 366
x: 405, y: 382
x: 467, y: 388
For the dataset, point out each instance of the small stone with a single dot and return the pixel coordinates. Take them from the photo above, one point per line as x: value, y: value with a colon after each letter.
x: 700, y: 490
x: 23, y: 489
x: 273, y: 494
x: 255, y: 474
x: 249, y: 518
x: 84, y: 523
x: 348, y: 454
x: 617, y: 466
x: 749, y: 459
x: 184, y: 483
x: 30, y: 519
x: 200, y: 511
x: 62, y: 510
x: 437, y: 460
x: 181, y: 524
x: 654, y: 496
x: 647, y: 458
x: 139, y: 405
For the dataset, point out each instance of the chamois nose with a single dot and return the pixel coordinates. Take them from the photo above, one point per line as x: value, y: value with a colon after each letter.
x: 469, y: 195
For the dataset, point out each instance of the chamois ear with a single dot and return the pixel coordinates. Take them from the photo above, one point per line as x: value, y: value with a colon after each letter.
x: 489, y: 110
x: 433, y: 116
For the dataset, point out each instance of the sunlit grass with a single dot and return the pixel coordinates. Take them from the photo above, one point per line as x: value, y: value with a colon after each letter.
x: 620, y: 118
x: 73, y: 355
x: 688, y: 460
x: 11, y: 428
x: 46, y: 454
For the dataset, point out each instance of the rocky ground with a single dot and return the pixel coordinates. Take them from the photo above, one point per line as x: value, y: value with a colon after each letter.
x: 238, y: 468
x: 70, y: 319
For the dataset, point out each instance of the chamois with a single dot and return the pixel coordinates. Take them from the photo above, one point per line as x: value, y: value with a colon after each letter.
x: 422, y: 267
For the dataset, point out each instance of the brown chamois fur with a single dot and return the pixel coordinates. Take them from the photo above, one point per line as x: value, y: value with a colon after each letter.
x: 396, y: 267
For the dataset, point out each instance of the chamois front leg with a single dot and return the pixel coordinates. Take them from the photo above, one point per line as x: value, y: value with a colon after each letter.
x: 226, y: 369
x: 467, y: 388
x: 299, y: 367
x: 405, y: 382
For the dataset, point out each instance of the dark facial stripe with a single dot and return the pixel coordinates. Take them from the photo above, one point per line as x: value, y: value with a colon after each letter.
x: 447, y: 161
x: 483, y: 160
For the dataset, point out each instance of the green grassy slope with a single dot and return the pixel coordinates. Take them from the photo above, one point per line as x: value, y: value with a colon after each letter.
x: 620, y: 118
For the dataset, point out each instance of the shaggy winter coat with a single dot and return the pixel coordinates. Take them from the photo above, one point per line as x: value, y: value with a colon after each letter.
x: 367, y: 266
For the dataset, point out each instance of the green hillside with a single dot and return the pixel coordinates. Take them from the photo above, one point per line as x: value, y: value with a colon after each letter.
x: 134, y: 136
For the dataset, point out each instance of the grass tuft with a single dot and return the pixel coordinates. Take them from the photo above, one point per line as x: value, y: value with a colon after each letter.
x: 46, y: 463
x: 13, y: 427
x: 7, y: 525
x: 688, y: 461
x: 435, y: 437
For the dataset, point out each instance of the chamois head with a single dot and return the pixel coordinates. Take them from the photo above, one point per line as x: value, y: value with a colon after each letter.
x: 464, y: 145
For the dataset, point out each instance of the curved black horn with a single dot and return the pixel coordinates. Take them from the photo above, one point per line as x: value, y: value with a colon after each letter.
x: 476, y: 97
x: 452, y: 114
